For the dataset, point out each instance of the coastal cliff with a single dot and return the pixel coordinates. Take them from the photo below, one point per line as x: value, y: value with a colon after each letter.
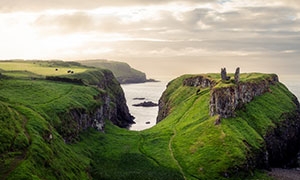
x: 122, y: 71
x: 225, y: 100
x: 46, y: 107
x: 111, y: 106
x: 258, y: 112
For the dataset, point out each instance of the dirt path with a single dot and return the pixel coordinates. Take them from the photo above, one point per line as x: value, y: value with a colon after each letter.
x: 172, y: 138
x: 141, y: 149
x: 285, y: 174
x: 18, y: 159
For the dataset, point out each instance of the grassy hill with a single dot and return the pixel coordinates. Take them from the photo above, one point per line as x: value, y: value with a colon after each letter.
x: 187, y: 144
x: 205, y: 150
x: 40, y: 117
x: 122, y: 71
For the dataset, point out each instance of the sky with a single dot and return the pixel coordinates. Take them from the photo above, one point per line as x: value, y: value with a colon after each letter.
x: 160, y: 37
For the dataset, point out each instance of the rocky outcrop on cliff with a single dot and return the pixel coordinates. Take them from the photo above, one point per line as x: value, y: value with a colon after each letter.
x: 146, y: 104
x: 225, y: 100
x: 111, y: 106
x: 163, y: 109
x: 194, y: 81
x: 199, y: 81
x: 280, y: 134
x: 119, y: 114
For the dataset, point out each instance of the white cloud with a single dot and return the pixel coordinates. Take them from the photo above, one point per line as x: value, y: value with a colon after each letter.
x: 136, y: 28
x: 38, y: 5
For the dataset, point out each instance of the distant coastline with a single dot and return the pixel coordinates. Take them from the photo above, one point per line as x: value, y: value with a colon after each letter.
x: 123, y: 72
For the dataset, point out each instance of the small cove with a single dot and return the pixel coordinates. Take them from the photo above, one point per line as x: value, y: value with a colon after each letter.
x: 145, y: 117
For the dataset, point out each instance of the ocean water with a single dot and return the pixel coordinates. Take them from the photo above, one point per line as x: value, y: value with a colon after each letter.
x: 152, y: 91
x: 292, y: 82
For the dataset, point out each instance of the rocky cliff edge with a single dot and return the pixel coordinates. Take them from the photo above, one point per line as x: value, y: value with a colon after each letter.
x: 282, y: 141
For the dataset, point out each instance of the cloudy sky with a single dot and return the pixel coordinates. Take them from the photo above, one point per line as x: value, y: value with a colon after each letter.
x: 157, y: 36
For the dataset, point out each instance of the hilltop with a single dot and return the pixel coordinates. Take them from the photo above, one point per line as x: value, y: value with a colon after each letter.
x: 64, y: 126
x: 122, y: 71
x: 223, y: 129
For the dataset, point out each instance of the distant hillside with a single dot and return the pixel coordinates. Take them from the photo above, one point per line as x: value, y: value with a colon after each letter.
x: 122, y: 71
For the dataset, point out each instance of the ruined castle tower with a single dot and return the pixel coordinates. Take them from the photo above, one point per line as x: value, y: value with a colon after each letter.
x: 224, y: 74
x: 237, y: 75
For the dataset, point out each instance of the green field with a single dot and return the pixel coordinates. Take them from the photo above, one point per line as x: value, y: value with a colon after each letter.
x: 185, y: 145
x: 39, y: 68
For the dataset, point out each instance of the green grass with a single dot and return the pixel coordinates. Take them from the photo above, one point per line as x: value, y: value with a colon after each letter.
x: 44, y: 68
x: 119, y: 154
x: 207, y: 151
x: 185, y: 145
x: 32, y: 110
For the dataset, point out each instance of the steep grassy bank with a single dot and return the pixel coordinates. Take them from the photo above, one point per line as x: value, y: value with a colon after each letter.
x: 38, y: 116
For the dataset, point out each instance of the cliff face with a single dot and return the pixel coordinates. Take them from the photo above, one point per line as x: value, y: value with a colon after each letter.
x: 283, y: 141
x: 115, y: 101
x: 163, y: 109
x: 164, y: 106
x: 111, y: 106
x: 273, y: 122
x: 199, y: 81
x: 225, y: 100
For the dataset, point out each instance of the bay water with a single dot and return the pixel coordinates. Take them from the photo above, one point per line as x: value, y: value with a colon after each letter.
x: 145, y: 117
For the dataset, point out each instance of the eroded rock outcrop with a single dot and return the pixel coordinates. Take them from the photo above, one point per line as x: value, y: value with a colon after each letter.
x: 111, y: 106
x: 280, y: 138
x: 225, y: 100
x: 200, y: 81
x: 120, y: 115
x: 146, y: 104
x: 195, y: 81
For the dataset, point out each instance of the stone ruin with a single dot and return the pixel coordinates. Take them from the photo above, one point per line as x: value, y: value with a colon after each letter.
x: 226, y: 78
x: 237, y: 75
x: 224, y: 75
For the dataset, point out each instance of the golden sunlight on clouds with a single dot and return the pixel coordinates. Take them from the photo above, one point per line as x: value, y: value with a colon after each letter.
x: 134, y: 30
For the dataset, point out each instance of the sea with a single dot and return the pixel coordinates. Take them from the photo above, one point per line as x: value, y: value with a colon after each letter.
x: 145, y: 117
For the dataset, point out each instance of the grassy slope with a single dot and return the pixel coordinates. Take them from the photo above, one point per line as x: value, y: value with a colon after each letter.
x: 39, y: 68
x: 29, y: 114
x: 207, y: 151
x: 186, y: 145
x: 122, y: 71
